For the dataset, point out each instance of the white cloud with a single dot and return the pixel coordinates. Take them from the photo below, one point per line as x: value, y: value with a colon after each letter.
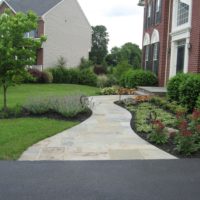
x: 123, y: 19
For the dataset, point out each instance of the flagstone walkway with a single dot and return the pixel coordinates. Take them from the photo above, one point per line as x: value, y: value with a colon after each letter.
x: 106, y: 135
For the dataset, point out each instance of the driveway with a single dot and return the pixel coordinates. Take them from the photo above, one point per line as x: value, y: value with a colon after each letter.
x: 100, y: 180
x: 106, y: 135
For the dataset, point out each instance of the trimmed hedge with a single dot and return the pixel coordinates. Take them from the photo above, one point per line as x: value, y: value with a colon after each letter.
x: 134, y: 78
x: 189, y: 91
x: 174, y: 84
x: 185, y: 89
x: 74, y: 76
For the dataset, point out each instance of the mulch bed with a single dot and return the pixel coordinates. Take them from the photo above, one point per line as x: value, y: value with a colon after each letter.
x: 168, y: 147
x: 53, y: 115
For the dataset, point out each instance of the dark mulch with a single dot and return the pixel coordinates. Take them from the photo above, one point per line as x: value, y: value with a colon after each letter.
x: 168, y: 147
x: 80, y: 117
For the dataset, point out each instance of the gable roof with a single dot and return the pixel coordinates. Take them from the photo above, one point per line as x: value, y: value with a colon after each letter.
x: 38, y: 6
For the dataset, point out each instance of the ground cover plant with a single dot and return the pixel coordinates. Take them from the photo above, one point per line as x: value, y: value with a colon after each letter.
x: 16, y: 135
x: 177, y: 132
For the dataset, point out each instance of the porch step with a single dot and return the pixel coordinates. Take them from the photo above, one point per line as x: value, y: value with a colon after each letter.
x: 159, y: 91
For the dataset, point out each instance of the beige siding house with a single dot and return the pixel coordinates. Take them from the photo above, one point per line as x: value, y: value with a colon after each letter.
x: 65, y: 25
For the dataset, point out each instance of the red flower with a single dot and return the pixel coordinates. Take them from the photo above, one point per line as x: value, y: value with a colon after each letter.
x: 198, y: 128
x: 183, y: 125
x: 187, y: 133
x: 158, y: 125
x: 196, y: 115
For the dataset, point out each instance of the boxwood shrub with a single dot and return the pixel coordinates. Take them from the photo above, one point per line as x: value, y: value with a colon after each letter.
x: 174, y: 84
x: 134, y: 78
x: 189, y: 91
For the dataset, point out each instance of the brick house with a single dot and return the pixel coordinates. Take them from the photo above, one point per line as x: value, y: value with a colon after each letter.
x: 65, y: 25
x: 171, y: 39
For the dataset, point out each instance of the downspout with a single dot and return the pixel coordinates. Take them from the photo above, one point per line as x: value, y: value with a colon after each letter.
x: 166, y: 60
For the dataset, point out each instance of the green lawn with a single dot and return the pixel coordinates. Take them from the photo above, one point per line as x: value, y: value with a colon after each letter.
x: 16, y: 135
x: 21, y: 93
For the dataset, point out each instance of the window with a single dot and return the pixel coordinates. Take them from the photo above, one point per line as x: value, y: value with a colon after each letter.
x: 155, y: 52
x: 183, y: 12
x: 31, y: 34
x: 149, y: 11
x: 147, y: 54
x: 158, y: 6
x: 158, y: 12
x: 155, y: 58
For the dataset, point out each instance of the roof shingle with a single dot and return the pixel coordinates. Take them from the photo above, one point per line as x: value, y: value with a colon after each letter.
x: 38, y: 6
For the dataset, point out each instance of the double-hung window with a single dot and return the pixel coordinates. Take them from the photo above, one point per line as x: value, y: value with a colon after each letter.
x: 183, y: 12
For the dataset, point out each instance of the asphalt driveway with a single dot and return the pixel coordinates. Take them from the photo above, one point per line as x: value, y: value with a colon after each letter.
x: 100, y: 180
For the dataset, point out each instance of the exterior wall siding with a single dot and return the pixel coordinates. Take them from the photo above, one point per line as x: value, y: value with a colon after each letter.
x: 68, y: 34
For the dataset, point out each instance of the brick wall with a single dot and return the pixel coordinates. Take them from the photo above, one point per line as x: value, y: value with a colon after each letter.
x: 194, y: 56
x: 163, y: 33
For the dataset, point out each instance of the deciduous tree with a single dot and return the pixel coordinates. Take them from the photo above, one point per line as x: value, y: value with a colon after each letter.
x: 16, y: 50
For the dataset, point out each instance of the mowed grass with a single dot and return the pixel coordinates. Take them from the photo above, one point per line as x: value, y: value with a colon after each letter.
x: 19, y: 94
x: 16, y: 135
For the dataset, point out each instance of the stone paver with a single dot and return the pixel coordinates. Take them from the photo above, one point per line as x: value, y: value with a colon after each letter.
x: 106, y: 135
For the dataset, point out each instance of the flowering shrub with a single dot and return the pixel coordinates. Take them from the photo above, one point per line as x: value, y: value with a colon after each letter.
x: 158, y: 134
x: 188, y: 138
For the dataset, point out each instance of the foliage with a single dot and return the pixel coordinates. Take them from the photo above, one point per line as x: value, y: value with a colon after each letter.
x: 68, y: 106
x: 109, y: 91
x: 129, y: 52
x: 120, y: 69
x: 39, y: 76
x: 142, y: 113
x: 174, y: 85
x: 100, y: 69
x: 19, y: 134
x: 188, y: 138
x: 16, y: 50
x: 198, y: 103
x: 189, y: 91
x: 102, y: 81
x: 173, y: 106
x: 61, y: 62
x: 158, y: 134
x: 85, y: 64
x: 74, y: 76
x: 87, y: 77
x: 11, y: 112
x: 99, y: 44
x: 134, y: 78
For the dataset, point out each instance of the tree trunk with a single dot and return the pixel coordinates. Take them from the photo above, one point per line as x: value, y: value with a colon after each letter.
x: 4, y: 97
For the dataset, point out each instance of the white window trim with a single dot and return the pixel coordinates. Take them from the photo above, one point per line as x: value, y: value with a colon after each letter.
x: 176, y: 28
x: 179, y: 33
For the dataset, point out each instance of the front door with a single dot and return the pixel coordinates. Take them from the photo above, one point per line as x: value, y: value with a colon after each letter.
x: 180, y: 56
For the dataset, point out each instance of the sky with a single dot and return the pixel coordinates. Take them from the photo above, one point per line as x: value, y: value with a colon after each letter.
x: 122, y: 18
